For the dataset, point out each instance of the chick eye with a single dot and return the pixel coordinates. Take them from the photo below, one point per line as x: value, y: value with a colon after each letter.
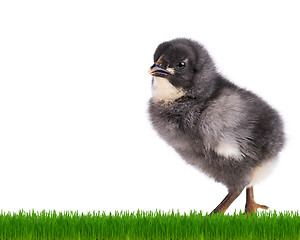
x: 181, y: 65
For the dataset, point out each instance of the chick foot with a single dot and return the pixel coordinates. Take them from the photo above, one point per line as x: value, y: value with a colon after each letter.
x: 222, y: 207
x: 251, y: 205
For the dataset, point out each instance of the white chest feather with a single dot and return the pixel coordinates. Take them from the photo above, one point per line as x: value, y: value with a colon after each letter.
x: 163, y: 90
x: 228, y: 148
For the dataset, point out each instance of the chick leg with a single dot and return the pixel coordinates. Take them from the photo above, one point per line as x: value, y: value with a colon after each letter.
x: 252, y: 206
x: 222, y: 207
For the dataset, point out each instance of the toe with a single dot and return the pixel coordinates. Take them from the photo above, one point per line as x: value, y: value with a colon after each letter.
x: 261, y: 206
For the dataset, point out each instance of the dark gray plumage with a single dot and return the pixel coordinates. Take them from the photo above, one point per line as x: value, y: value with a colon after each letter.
x: 229, y: 133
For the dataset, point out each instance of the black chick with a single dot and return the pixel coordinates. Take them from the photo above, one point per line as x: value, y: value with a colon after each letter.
x: 229, y: 133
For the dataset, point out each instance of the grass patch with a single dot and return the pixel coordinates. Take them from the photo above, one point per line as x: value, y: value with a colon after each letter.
x: 147, y: 225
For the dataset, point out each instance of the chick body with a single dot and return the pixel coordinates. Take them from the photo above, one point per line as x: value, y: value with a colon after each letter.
x: 227, y: 137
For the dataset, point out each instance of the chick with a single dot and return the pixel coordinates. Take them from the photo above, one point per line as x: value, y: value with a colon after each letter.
x: 227, y: 132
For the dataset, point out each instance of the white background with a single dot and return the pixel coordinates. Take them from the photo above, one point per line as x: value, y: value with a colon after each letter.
x: 74, y: 87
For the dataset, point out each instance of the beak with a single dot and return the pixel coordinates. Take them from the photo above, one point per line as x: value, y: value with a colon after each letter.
x: 158, y: 72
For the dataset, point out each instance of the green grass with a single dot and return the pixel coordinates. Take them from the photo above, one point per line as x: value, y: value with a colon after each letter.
x: 147, y: 225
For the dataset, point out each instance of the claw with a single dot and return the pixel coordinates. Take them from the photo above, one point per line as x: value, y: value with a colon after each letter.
x: 252, y: 207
